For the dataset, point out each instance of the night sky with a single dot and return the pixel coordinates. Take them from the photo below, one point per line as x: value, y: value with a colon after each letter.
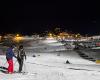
x: 38, y: 16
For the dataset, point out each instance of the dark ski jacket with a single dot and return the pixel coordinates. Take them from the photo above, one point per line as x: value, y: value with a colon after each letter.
x: 21, y: 54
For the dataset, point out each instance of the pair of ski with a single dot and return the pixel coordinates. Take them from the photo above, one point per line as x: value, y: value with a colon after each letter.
x: 24, y: 73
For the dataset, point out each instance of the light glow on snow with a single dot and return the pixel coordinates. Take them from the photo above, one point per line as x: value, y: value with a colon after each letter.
x: 51, y: 65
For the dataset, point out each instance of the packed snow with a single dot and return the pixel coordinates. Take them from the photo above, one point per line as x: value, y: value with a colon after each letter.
x: 49, y: 63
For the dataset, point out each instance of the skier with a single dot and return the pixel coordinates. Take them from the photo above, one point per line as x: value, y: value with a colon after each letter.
x: 9, y: 56
x: 20, y: 57
x: 67, y: 62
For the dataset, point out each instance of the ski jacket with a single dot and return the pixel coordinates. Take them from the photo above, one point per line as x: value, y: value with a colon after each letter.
x: 10, y: 54
x: 21, y: 54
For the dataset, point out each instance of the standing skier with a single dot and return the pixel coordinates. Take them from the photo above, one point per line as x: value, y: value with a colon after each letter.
x: 9, y: 56
x: 20, y: 57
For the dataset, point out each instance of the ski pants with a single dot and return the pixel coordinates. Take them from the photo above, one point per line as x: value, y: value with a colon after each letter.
x: 10, y: 67
x: 20, y: 61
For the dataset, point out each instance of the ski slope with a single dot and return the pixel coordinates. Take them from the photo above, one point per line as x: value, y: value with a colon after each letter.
x: 50, y: 64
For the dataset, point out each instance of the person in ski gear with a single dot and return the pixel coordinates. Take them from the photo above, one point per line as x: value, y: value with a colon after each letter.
x: 21, y: 56
x: 9, y: 56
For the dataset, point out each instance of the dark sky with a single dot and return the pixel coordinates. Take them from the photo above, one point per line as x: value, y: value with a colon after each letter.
x: 37, y: 16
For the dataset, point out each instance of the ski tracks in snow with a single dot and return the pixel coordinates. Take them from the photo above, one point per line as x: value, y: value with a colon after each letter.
x: 18, y: 76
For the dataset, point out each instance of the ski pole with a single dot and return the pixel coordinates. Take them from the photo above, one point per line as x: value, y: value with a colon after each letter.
x: 4, y: 64
x: 25, y: 70
x: 24, y: 67
x: 15, y: 62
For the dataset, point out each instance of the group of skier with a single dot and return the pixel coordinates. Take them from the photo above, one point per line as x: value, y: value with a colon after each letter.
x: 20, y: 56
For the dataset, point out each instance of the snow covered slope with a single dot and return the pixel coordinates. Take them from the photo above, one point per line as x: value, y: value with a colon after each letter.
x: 51, y: 65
